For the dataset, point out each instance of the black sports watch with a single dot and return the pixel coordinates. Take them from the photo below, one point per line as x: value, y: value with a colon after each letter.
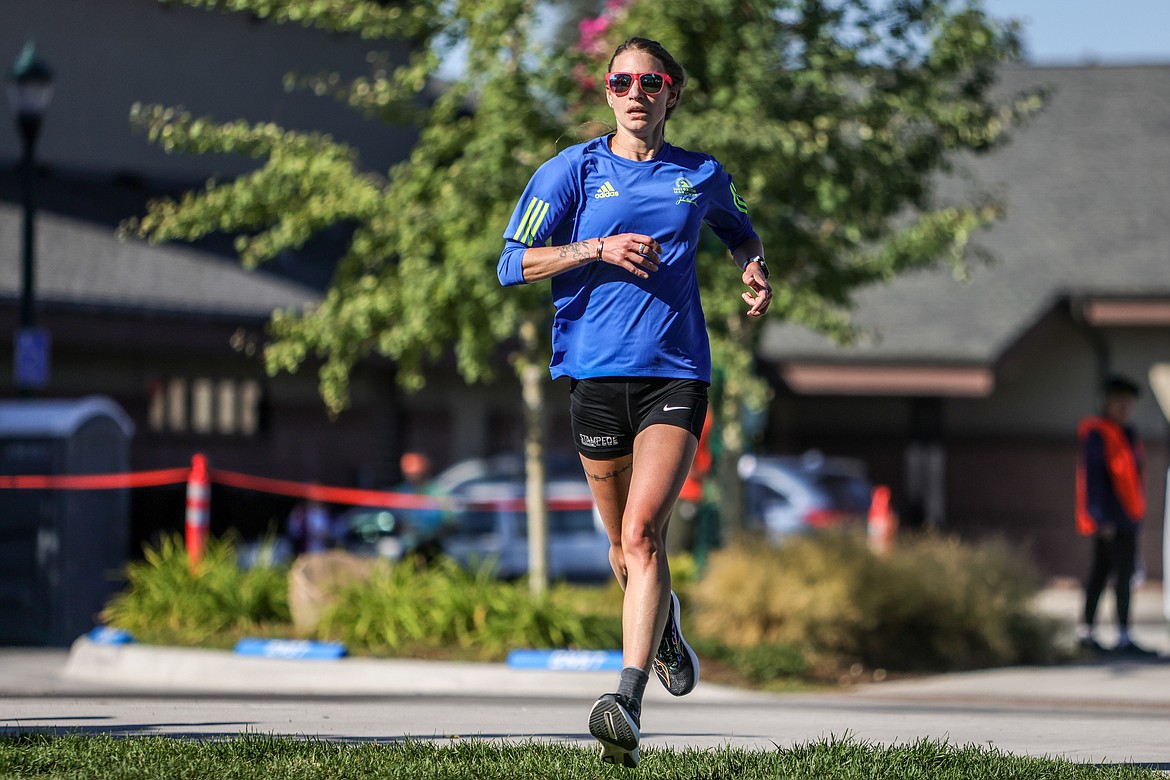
x: 757, y: 259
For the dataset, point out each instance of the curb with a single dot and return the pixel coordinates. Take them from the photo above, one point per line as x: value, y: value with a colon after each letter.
x: 152, y: 667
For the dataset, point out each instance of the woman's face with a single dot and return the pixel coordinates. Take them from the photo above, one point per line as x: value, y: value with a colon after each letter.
x: 635, y: 111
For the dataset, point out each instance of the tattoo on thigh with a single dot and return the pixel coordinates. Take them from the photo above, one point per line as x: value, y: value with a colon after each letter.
x: 611, y: 474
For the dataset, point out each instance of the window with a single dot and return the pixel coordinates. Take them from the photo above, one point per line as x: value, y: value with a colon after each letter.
x: 226, y: 407
x: 572, y: 521
x: 204, y: 406
x: 560, y: 522
x: 476, y: 522
x: 156, y: 412
x: 201, y: 403
x: 177, y: 405
x: 249, y: 420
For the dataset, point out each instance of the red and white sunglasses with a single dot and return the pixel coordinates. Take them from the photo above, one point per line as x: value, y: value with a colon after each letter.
x: 651, y: 83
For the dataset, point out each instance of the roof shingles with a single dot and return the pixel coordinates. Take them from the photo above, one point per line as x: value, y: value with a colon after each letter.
x: 79, y: 262
x: 1085, y: 185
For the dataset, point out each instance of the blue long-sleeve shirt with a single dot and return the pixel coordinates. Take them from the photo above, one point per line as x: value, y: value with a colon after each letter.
x: 609, y: 322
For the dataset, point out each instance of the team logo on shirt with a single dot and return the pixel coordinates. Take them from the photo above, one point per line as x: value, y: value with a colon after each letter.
x: 685, y: 191
x: 606, y: 191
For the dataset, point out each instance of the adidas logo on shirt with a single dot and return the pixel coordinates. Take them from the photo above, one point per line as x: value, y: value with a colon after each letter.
x: 606, y: 191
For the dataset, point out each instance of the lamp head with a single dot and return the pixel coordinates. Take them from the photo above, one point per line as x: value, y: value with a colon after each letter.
x: 30, y: 84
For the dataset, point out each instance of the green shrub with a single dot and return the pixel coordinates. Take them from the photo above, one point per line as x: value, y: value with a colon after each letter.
x: 167, y: 602
x: 442, y: 610
x: 405, y: 610
x: 937, y: 604
x: 819, y: 608
x: 765, y: 665
x: 930, y: 604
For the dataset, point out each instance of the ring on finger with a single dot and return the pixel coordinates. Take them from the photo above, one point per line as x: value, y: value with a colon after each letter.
x: 641, y: 249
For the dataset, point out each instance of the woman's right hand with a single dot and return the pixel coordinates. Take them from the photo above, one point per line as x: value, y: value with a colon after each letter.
x: 637, y: 253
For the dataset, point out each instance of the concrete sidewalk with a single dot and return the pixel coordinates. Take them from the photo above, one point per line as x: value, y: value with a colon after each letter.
x: 93, y: 667
x: 1109, y: 711
x: 1119, y: 681
x: 134, y: 666
x: 1114, y: 713
x: 1065, y: 602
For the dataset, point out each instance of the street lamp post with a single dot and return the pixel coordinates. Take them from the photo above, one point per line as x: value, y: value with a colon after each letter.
x: 30, y: 89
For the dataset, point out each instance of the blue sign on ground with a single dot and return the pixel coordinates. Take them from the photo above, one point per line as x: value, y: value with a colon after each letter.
x: 567, y: 660
x: 290, y: 648
x: 108, y: 635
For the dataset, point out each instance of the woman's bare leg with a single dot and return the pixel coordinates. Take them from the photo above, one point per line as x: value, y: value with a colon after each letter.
x: 609, y: 481
x: 635, y: 496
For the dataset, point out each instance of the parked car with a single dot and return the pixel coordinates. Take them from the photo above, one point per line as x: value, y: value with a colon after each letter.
x: 485, y: 522
x: 492, y: 530
x: 388, y: 533
x: 505, y: 466
x: 787, y: 495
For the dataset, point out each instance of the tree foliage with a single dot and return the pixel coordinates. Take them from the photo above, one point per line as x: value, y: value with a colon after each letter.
x: 837, y: 118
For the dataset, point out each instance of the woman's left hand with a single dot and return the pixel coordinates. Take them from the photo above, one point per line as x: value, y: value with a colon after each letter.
x: 760, y: 296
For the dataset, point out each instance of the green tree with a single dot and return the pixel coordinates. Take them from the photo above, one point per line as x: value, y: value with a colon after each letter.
x: 838, y: 119
x: 834, y: 117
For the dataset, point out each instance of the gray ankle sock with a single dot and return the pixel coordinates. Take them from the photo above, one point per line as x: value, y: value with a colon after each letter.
x: 633, y: 683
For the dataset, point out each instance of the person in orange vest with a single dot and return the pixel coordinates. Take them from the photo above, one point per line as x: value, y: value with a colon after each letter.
x: 1111, y: 504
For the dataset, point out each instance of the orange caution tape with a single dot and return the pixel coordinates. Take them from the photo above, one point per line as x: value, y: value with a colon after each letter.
x: 135, y: 479
x: 358, y: 497
x: 323, y: 493
x: 309, y: 491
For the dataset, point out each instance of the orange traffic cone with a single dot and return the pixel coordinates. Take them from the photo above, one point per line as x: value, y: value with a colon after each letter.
x: 882, y: 522
x: 198, y: 504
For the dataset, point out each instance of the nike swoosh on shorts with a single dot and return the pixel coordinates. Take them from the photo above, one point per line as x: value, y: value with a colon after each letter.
x: 674, y: 408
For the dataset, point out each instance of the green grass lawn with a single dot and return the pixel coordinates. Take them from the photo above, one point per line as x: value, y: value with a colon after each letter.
x: 259, y: 757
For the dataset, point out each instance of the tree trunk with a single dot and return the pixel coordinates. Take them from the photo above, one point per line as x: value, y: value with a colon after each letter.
x: 731, y: 441
x: 731, y: 512
x: 533, y: 376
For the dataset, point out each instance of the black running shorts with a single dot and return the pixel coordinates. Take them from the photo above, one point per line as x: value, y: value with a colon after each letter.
x: 608, y: 413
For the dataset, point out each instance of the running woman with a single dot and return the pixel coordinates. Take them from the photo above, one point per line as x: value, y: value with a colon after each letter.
x: 614, y: 223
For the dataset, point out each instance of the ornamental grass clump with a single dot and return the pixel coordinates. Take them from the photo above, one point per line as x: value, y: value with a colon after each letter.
x: 930, y: 604
x: 404, y: 609
x: 444, y: 610
x: 937, y: 604
x: 212, y: 604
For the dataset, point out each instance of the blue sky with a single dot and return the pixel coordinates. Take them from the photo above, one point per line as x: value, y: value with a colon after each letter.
x: 1069, y: 32
x: 1102, y: 31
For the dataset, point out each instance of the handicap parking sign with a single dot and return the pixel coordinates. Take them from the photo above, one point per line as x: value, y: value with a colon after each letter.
x: 31, y: 367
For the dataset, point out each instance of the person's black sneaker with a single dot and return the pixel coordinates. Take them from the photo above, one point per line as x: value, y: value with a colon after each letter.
x: 1090, y: 645
x: 615, y: 721
x: 675, y: 663
x: 1132, y: 650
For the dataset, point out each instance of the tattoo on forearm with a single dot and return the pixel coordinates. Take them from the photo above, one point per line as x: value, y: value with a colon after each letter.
x: 578, y: 250
x: 610, y: 475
